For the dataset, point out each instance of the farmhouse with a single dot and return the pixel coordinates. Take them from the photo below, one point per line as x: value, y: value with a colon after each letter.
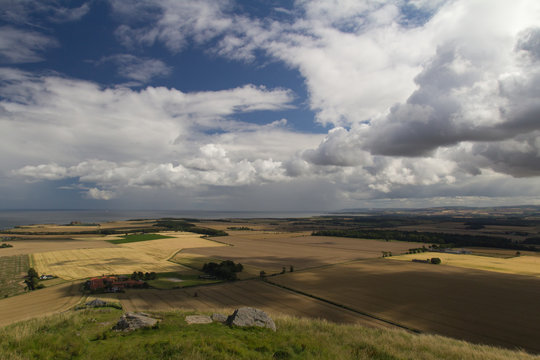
x: 112, y: 283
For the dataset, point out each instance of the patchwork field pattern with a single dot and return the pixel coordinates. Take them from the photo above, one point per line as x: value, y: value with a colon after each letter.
x: 84, y: 263
x: 522, y: 265
x: 166, y: 248
x: 273, y: 251
x: 145, y: 256
x: 480, y: 306
x: 229, y: 296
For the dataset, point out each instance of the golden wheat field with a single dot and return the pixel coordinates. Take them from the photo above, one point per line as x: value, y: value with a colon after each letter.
x: 39, y: 303
x: 84, y: 263
x: 35, y: 246
x: 522, y: 265
x: 145, y: 256
x: 166, y: 248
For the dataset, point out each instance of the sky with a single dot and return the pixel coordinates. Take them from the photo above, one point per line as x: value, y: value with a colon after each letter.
x: 269, y: 105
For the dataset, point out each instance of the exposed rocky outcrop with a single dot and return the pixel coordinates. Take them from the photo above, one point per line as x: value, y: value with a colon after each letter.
x: 247, y: 316
x: 133, y: 321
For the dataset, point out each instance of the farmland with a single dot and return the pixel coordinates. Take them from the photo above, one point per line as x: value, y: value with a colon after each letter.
x: 476, y: 305
x: 84, y: 263
x: 253, y: 293
x: 273, y: 251
x: 489, y: 297
x: 12, y: 270
x: 39, y: 303
x: 521, y: 265
x: 145, y: 256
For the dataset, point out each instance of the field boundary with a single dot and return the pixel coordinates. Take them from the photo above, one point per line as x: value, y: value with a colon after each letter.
x: 413, y: 330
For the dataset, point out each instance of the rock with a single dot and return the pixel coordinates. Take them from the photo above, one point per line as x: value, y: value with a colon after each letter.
x: 133, y: 321
x: 198, y: 319
x: 216, y: 317
x: 247, y: 316
x: 96, y: 303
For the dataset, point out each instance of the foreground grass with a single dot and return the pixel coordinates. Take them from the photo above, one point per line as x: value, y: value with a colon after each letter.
x: 87, y: 334
x: 12, y: 271
x: 138, y: 237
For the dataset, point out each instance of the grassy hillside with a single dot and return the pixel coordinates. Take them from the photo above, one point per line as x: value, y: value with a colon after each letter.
x: 87, y: 334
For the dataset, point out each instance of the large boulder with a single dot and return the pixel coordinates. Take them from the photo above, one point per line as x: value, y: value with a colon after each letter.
x: 247, y: 316
x: 133, y: 321
x: 221, y: 318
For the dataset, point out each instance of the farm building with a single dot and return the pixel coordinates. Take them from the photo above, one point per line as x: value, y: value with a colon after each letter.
x: 112, y: 283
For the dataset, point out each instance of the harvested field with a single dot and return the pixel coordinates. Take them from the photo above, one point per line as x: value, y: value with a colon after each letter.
x: 272, y: 251
x: 521, y: 265
x: 120, y: 259
x: 39, y: 303
x: 34, y: 246
x: 84, y: 263
x: 12, y: 272
x: 474, y: 305
x: 229, y: 296
x: 166, y: 248
x: 501, y: 253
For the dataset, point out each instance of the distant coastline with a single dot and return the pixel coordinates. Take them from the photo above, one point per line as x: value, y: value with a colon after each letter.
x: 12, y: 218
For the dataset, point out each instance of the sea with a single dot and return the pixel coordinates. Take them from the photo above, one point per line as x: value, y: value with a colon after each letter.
x: 12, y: 218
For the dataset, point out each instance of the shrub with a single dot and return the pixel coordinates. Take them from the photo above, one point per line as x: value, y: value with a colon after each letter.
x: 226, y: 270
x: 435, y: 261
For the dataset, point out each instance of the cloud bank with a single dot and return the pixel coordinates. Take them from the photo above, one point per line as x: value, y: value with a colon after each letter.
x: 439, y: 105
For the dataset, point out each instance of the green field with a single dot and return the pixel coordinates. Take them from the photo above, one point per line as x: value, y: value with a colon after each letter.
x: 12, y: 271
x: 88, y: 334
x: 175, y: 281
x: 138, y: 237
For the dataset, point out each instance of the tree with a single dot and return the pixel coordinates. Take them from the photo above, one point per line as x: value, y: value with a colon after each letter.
x: 32, y: 279
x: 435, y: 261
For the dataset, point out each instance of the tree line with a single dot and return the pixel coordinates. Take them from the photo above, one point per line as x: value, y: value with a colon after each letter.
x: 444, y: 239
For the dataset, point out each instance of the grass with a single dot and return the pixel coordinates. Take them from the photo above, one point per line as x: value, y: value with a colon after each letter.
x: 167, y: 281
x: 87, y: 334
x: 138, y: 237
x: 12, y: 271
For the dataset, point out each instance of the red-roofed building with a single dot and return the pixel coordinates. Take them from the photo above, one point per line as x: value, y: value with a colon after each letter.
x: 112, y: 283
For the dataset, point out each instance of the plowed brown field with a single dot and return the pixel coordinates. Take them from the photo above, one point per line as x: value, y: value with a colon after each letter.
x: 475, y: 305
x: 228, y: 296
x: 272, y: 251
